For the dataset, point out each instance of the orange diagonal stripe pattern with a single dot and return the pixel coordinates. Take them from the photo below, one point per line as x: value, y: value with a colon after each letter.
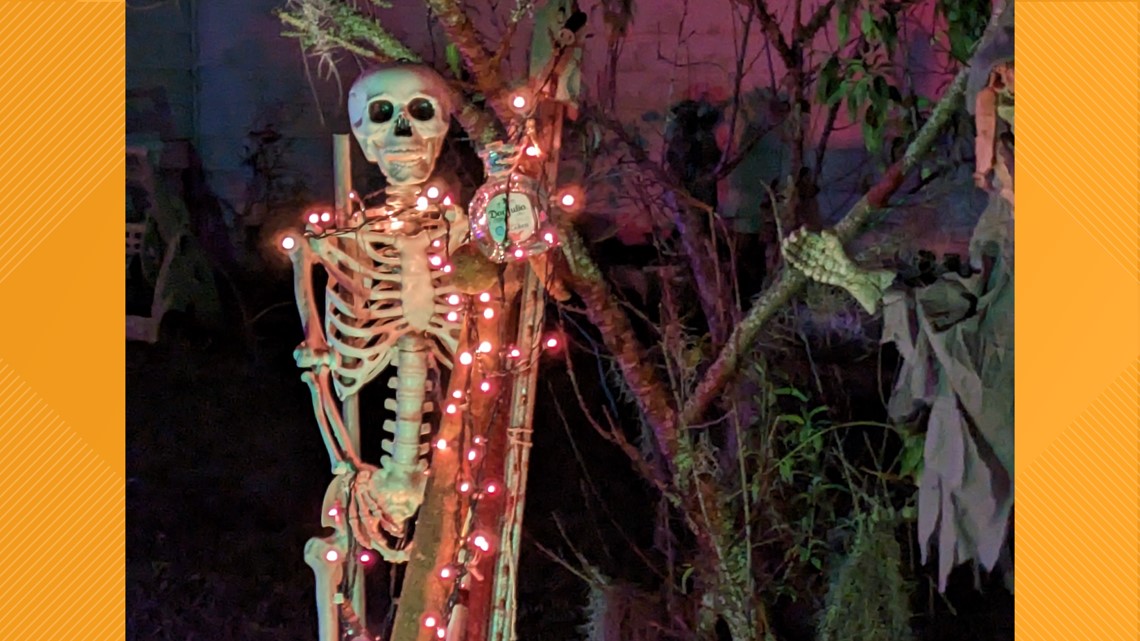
x: 1078, y: 344
x: 61, y: 567
x: 60, y: 138
x: 1077, y: 516
x: 61, y: 348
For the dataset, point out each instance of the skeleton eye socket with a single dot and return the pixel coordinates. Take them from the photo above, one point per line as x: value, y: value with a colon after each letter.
x: 380, y: 111
x: 421, y: 109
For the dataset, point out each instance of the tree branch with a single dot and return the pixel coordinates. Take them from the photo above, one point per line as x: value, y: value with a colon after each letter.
x: 791, y: 281
x: 771, y: 27
x: 483, y: 66
x: 617, y: 335
x: 817, y: 21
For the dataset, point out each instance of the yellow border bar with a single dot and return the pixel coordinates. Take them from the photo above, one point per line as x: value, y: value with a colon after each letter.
x: 1078, y: 311
x: 1078, y: 320
x: 62, y: 300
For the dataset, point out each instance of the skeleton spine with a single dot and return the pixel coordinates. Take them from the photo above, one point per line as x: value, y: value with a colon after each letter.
x: 410, y: 383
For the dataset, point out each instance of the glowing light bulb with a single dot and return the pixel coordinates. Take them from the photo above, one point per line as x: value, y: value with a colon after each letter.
x: 453, y: 299
x: 488, y: 313
x: 464, y: 487
x: 447, y: 269
x: 436, y: 243
x: 457, y: 394
x: 441, y: 444
x: 365, y: 557
x: 447, y: 201
x: 326, y: 217
x: 429, y: 621
x: 333, y: 512
x: 485, y: 297
x: 514, y: 353
x: 421, y: 203
x: 451, y: 408
x: 288, y: 243
x: 532, y: 151
x: 472, y: 455
x: 485, y: 347
x: 433, y: 192
x: 519, y: 101
x: 352, y: 195
x: 519, y: 253
x: 435, y: 261
x: 466, y: 358
x: 552, y: 342
x: 440, y: 633
x: 485, y: 386
x: 314, y: 218
x: 478, y: 440
x: 491, y: 488
x: 568, y: 200
x: 331, y: 556
x: 481, y: 542
x: 445, y: 572
x: 548, y: 237
x: 453, y: 316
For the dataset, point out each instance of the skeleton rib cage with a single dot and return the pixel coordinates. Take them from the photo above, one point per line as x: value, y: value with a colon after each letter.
x: 386, y: 302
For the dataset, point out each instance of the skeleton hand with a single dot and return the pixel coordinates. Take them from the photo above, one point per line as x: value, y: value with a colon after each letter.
x: 821, y: 258
x: 366, y: 516
x: 381, y: 504
x: 310, y: 357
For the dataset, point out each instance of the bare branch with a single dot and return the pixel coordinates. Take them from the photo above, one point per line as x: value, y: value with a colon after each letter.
x: 790, y: 281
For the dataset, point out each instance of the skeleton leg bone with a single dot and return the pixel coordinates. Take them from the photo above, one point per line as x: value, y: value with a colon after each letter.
x: 327, y: 557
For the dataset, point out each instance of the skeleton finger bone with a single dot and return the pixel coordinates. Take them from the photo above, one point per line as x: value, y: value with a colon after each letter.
x: 821, y: 257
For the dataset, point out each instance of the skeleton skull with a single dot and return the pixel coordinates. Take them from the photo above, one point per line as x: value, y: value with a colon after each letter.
x: 400, y: 115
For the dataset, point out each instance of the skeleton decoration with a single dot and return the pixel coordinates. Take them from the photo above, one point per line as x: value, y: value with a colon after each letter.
x: 400, y: 116
x: 388, y: 301
x: 821, y: 257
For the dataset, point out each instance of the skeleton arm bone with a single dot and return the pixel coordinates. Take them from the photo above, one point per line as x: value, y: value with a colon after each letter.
x: 303, y: 260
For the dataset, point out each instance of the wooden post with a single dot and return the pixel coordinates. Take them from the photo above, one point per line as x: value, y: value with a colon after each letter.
x: 350, y: 408
x: 503, y: 613
x: 439, y: 526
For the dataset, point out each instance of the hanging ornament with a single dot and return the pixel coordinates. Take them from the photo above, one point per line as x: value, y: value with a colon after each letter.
x: 473, y: 272
x: 508, y: 213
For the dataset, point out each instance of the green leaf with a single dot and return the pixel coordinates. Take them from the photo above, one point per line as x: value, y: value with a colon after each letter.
x: 844, y: 23
x: 791, y: 418
x: 869, y: 136
x: 816, y: 563
x: 816, y: 411
x: 879, y: 87
x: 685, y: 578
x: 829, y: 81
x: 793, y: 392
x: 912, y: 457
x: 786, y: 470
x: 454, y: 62
x: 867, y: 25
